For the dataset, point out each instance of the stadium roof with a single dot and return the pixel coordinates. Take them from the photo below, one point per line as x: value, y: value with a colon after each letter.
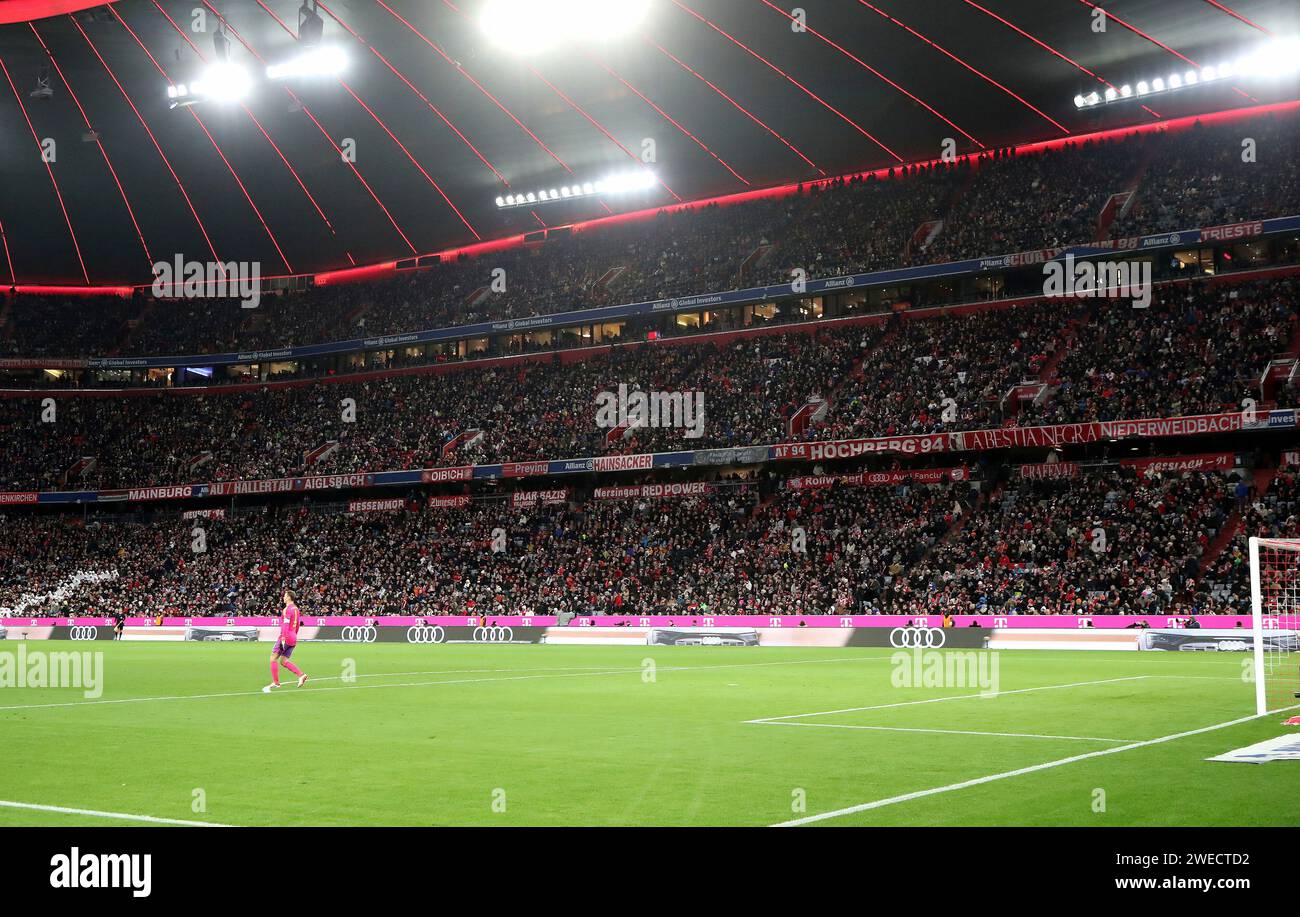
x: 734, y: 94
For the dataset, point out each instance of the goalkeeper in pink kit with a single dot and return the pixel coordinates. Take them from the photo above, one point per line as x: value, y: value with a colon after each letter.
x: 290, y: 621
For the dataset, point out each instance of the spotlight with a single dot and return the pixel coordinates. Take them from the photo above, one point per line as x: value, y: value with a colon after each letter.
x: 223, y: 82
x: 325, y: 60
x: 43, y: 88
x: 1275, y: 59
x: 548, y: 23
x: 311, y: 28
x: 1279, y: 57
x: 221, y: 43
x: 617, y: 183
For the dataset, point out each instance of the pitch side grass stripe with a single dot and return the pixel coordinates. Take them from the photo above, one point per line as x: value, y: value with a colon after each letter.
x: 937, y: 700
x: 953, y: 732
x: 1033, y: 768
x: 449, y: 681
x: 119, y: 816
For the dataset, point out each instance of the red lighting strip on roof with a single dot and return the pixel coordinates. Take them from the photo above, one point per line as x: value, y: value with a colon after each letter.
x: 43, y: 289
x: 49, y: 170
x: 931, y: 109
x: 742, y: 109
x: 216, y: 146
x: 1045, y: 46
x: 670, y: 119
x: 423, y: 98
x: 456, y: 10
x: 103, y: 152
x: 579, y: 109
x: 793, y: 187
x: 4, y: 240
x: 481, y: 88
x: 980, y: 73
x: 1155, y: 41
x: 386, y: 130
x: 855, y: 125
x: 374, y: 270
x: 324, y: 133
x: 258, y: 124
x: 203, y: 229
x: 1235, y: 15
x: 437, y: 187
x: 600, y: 127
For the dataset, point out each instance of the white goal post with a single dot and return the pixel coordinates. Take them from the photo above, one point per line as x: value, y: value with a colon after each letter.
x: 1275, y: 614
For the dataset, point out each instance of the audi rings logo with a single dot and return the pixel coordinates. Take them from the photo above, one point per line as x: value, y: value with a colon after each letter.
x: 358, y: 634
x: 426, y: 634
x: 82, y: 632
x: 930, y: 638
x: 493, y: 635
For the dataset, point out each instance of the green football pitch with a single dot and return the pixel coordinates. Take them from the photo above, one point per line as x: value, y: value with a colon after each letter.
x: 391, y: 734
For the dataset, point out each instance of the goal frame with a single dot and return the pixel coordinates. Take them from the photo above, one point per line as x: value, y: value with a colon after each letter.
x: 1262, y: 671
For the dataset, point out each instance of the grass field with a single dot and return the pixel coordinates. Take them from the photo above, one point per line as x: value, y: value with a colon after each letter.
x: 547, y: 735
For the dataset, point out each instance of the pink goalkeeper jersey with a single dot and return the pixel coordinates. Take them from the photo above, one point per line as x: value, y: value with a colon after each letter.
x: 289, y: 625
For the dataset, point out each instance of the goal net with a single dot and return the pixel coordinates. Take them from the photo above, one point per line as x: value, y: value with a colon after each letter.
x: 1275, y: 610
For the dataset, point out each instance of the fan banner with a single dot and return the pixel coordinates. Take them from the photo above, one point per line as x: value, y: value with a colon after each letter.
x: 934, y: 443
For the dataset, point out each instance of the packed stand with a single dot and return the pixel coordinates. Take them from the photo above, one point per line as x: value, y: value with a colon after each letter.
x: 999, y: 203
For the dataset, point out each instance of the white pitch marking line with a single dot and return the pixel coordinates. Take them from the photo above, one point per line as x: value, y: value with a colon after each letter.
x: 449, y: 681
x: 965, y: 784
x: 936, y: 700
x: 955, y: 732
x: 120, y: 816
x: 546, y: 668
x: 1202, y: 677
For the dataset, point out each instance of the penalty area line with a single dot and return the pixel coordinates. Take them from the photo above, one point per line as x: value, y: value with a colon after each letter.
x: 938, y: 700
x: 1033, y: 768
x: 119, y: 816
x: 951, y: 732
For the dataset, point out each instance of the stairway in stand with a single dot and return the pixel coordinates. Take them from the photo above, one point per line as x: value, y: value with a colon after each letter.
x: 1236, y: 521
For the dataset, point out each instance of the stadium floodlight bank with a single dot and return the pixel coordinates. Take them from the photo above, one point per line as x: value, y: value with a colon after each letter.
x: 1274, y: 603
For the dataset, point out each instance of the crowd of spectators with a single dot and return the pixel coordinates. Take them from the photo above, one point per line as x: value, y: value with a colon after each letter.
x: 1109, y: 542
x: 1273, y: 514
x: 1221, y: 174
x: 999, y: 202
x: 951, y: 372
x: 1199, y: 348
x: 1045, y: 199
